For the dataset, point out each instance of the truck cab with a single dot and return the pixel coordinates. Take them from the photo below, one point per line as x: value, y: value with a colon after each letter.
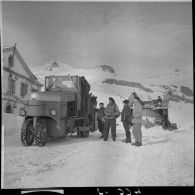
x: 64, y: 107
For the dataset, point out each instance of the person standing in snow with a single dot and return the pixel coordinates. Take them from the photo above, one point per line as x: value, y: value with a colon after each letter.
x: 131, y: 98
x: 111, y: 113
x: 100, y: 119
x: 137, y: 121
x: 126, y: 120
x: 165, y: 103
x: 159, y: 100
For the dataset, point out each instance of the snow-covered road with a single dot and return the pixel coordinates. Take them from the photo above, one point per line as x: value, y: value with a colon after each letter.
x: 166, y: 158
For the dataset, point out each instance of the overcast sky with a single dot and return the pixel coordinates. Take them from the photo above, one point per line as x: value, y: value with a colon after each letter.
x: 131, y: 37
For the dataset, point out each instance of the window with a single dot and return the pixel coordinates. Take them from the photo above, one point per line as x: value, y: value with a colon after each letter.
x: 34, y: 90
x: 11, y: 60
x: 71, y: 108
x: 8, y: 108
x: 12, y: 86
x: 23, y: 89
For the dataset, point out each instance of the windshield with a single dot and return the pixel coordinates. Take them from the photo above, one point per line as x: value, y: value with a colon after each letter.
x: 59, y: 83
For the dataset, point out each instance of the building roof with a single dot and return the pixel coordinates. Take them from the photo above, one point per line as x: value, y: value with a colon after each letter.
x: 23, y: 63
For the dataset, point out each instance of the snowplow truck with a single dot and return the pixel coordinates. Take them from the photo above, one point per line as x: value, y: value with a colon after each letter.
x: 156, y: 114
x: 64, y: 107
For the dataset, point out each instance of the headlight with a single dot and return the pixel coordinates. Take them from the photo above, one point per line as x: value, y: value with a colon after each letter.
x: 33, y: 96
x: 53, y: 112
x: 22, y: 112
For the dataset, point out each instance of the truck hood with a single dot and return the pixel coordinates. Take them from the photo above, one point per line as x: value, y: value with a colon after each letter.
x: 51, y: 96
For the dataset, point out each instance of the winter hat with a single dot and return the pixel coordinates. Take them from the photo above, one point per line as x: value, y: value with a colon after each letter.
x: 101, y: 103
x: 110, y: 98
x: 139, y: 100
x: 136, y: 97
x: 135, y: 94
x: 126, y: 101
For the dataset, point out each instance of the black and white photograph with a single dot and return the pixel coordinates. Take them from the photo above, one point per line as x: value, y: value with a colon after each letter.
x: 96, y: 94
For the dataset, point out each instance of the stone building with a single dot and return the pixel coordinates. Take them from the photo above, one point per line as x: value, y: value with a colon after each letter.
x: 17, y: 81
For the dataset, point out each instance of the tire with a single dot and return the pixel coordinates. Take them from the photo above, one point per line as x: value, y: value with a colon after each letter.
x: 27, y: 133
x: 79, y: 134
x: 85, y: 134
x: 41, y: 133
x: 164, y: 126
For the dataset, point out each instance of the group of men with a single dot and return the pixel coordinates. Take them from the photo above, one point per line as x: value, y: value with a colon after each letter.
x: 131, y: 115
x: 106, y: 118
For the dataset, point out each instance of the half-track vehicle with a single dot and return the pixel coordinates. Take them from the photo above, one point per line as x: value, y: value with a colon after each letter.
x: 64, y: 107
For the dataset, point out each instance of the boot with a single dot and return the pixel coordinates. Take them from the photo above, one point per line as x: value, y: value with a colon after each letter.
x: 128, y: 141
x: 134, y: 144
x: 138, y: 144
x: 101, y: 136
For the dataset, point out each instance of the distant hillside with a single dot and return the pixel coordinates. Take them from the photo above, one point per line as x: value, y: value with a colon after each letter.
x: 102, y: 78
x: 106, y: 68
x: 187, y: 91
x: 127, y: 83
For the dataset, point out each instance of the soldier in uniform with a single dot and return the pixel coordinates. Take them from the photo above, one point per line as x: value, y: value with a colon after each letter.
x: 85, y: 88
x: 165, y: 103
x: 100, y: 119
x: 111, y: 113
x: 159, y: 101
x: 137, y: 121
x: 126, y: 120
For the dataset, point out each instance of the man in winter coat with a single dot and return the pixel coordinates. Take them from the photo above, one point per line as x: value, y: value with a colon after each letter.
x: 165, y: 103
x: 137, y: 121
x: 131, y: 98
x: 100, y: 119
x: 126, y: 120
x: 111, y: 113
x: 159, y: 101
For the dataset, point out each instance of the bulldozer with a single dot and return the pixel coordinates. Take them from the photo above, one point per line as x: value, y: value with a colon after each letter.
x: 64, y: 107
x: 157, y: 110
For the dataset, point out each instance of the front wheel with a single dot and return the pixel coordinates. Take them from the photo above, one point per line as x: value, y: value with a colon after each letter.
x: 79, y: 134
x: 85, y: 134
x: 27, y: 132
x: 41, y: 133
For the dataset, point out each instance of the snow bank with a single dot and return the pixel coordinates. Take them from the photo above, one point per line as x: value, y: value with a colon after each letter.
x: 181, y: 113
x: 166, y: 157
x: 11, y: 126
x: 11, y: 123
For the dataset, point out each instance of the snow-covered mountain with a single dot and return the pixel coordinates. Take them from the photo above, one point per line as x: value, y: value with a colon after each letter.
x: 94, y: 75
x: 106, y: 68
x: 105, y: 80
